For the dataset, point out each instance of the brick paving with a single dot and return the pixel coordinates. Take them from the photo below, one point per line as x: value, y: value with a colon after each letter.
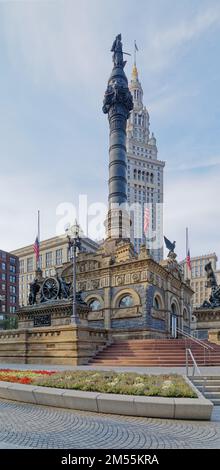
x: 24, y: 425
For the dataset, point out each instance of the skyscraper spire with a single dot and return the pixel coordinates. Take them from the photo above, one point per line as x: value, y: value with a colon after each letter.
x: 134, y: 70
x: 145, y: 171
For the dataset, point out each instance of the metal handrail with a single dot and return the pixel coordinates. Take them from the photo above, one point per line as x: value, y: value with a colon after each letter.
x: 196, y: 340
x: 195, y: 366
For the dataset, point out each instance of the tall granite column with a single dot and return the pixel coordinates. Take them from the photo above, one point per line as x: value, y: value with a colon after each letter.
x: 117, y: 104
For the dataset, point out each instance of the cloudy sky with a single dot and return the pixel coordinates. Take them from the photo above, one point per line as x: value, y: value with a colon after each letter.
x: 55, y: 62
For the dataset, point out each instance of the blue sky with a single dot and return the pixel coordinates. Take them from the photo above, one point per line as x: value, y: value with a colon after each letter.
x: 55, y: 62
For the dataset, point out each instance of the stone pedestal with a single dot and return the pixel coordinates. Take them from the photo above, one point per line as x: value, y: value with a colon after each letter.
x: 54, y: 313
x: 65, y: 345
x: 207, y: 318
x: 45, y: 335
x: 214, y: 336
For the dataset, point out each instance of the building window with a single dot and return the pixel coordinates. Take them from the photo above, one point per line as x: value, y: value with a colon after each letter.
x: 12, y: 278
x: 3, y: 277
x: 40, y: 261
x: 49, y: 256
x: 95, y: 305
x: 30, y: 265
x: 12, y: 260
x: 12, y: 299
x: 3, y: 266
x: 3, y: 308
x: 21, y: 266
x: 126, y: 301
x: 157, y: 303
x: 12, y: 290
x: 3, y: 286
x: 59, y: 256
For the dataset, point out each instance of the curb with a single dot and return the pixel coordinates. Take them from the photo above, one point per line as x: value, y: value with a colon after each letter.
x: 151, y: 407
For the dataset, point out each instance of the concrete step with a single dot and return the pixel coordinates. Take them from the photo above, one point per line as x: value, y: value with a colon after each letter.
x: 154, y: 352
x: 209, y: 388
x: 216, y: 401
x: 210, y: 395
x: 206, y: 377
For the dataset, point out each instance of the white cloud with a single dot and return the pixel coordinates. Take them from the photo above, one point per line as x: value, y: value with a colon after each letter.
x: 168, y: 101
x: 57, y: 42
x: 193, y: 201
x: 198, y: 163
x: 165, y: 42
x: 66, y: 44
x: 66, y: 41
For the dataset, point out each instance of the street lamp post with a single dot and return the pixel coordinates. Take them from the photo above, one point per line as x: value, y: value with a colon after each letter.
x: 74, y: 243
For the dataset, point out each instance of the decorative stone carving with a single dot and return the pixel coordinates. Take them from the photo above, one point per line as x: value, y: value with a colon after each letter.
x: 126, y: 312
x: 159, y: 314
x: 136, y: 277
x: 150, y: 277
x: 82, y: 285
x: 95, y: 283
x: 120, y: 280
x: 99, y: 315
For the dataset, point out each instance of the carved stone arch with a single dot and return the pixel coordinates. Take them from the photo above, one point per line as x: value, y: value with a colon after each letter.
x: 122, y: 293
x: 186, y: 314
x: 175, y: 302
x: 91, y: 297
x: 160, y: 299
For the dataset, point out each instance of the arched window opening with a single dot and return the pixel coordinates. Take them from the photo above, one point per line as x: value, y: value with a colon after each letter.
x: 157, y: 303
x: 173, y: 309
x: 126, y: 301
x: 95, y: 305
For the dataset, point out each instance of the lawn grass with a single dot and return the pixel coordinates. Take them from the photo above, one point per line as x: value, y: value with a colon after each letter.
x: 127, y: 383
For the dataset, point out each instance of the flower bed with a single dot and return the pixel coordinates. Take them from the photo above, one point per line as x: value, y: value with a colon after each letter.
x: 22, y: 376
x: 127, y: 383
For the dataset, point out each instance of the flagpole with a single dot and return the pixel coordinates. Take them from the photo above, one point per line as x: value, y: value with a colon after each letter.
x: 38, y: 236
x: 135, y: 50
x: 187, y: 243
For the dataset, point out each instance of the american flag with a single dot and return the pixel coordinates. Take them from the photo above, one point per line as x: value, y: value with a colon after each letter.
x: 188, y: 260
x: 146, y: 219
x: 37, y: 248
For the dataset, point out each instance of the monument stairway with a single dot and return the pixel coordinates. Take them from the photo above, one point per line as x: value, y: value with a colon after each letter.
x: 156, y: 352
x: 209, y: 386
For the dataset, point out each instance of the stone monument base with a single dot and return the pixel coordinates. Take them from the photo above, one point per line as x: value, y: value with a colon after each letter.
x: 209, y: 319
x: 64, y: 345
x: 46, y: 335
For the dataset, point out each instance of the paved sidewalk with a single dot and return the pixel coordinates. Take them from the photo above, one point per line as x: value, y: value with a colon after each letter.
x: 141, y: 370
x: 24, y: 425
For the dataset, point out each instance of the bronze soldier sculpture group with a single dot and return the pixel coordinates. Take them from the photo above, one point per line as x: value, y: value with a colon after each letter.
x: 49, y: 289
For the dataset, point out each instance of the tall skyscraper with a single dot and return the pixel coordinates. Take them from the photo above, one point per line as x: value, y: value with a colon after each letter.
x: 9, y: 285
x: 198, y: 276
x: 144, y: 170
